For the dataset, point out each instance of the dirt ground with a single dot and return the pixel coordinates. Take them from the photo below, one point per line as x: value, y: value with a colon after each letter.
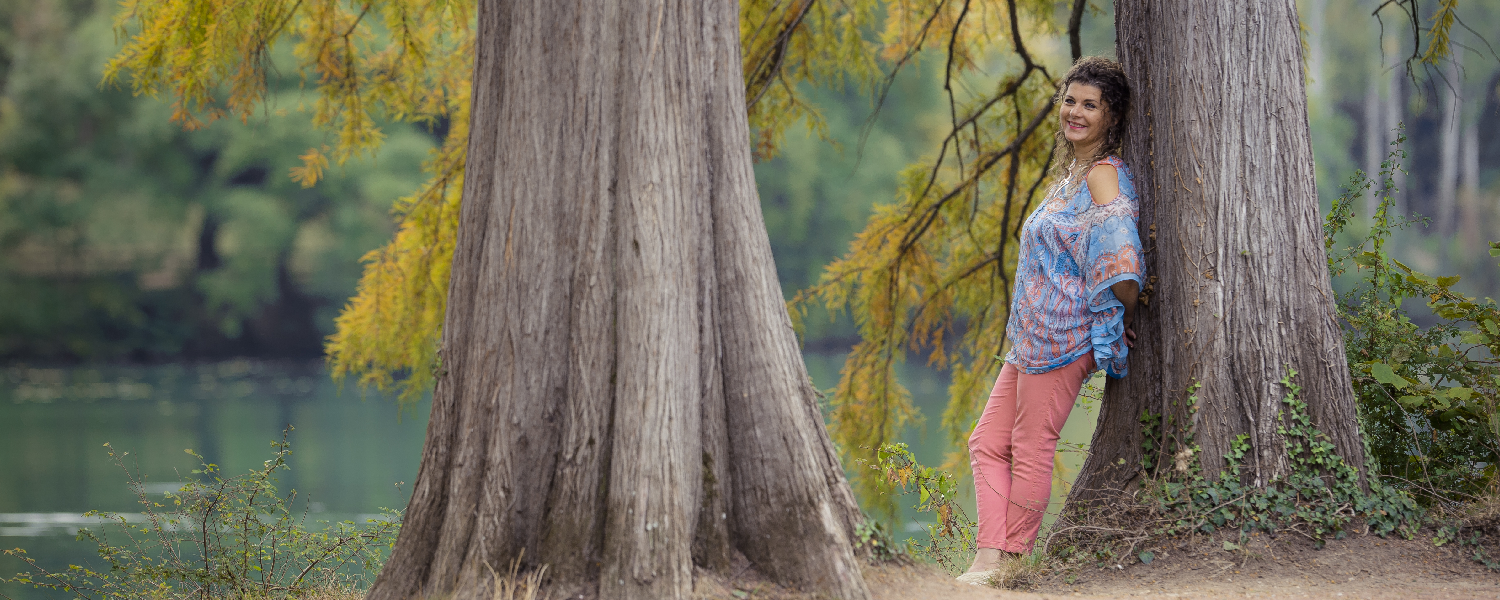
x: 1361, y: 567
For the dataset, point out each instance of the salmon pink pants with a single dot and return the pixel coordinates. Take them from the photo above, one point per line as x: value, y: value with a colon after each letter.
x: 1012, y: 448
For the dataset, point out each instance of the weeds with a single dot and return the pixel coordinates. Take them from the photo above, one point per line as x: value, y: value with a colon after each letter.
x: 221, y: 537
x: 1317, y: 499
x: 951, y: 539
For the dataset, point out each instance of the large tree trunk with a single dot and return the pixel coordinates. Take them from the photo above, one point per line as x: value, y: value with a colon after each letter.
x: 1220, y: 147
x: 622, y: 396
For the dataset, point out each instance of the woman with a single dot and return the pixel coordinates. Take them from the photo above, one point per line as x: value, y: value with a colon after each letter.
x: 1077, y: 280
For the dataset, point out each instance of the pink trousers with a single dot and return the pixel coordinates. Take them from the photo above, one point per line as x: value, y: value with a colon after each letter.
x: 1012, y: 448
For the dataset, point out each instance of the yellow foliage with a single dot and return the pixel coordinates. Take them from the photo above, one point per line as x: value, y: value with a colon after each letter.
x: 928, y: 267
x: 937, y: 263
x: 412, y: 60
x: 1439, y: 46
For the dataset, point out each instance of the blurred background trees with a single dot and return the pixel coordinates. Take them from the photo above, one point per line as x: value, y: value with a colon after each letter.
x: 124, y: 237
x: 1363, y: 85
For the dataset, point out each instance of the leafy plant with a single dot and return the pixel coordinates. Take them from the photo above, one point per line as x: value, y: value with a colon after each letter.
x: 1318, y: 497
x: 951, y: 539
x: 1426, y: 394
x: 220, y: 537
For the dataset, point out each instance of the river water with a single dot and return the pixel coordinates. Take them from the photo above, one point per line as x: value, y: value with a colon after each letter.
x: 354, y: 451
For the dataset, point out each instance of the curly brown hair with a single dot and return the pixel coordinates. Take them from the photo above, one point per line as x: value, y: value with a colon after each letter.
x: 1114, y: 94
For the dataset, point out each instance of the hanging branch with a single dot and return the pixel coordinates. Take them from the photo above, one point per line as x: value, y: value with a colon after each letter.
x: 1075, y: 22
x: 933, y: 264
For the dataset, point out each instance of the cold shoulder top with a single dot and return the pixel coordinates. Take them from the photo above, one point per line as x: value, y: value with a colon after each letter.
x: 1071, y: 251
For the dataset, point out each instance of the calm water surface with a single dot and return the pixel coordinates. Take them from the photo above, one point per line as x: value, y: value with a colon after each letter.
x: 353, y: 452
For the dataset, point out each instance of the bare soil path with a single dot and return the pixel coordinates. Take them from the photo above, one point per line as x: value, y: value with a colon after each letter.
x: 1289, y: 566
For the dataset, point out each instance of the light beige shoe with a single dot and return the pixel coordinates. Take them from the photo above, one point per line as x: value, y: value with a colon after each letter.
x: 977, y: 577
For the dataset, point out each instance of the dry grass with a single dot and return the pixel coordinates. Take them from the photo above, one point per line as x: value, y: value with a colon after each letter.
x: 1019, y: 573
x: 514, y: 585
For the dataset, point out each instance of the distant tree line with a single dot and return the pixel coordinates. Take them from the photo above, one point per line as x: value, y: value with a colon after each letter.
x: 124, y: 236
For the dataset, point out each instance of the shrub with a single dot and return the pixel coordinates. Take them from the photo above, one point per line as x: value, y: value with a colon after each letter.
x: 1426, y: 395
x: 219, y: 537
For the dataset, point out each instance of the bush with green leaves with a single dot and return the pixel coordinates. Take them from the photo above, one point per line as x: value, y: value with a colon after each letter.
x: 220, y: 537
x: 1426, y: 393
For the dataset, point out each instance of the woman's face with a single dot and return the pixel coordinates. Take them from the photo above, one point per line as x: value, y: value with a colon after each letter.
x: 1083, y: 117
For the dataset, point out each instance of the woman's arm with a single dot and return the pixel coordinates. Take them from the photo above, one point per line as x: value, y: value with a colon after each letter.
x: 1127, y: 292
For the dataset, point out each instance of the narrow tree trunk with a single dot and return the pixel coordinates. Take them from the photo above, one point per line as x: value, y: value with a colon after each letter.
x: 1220, y: 146
x: 621, y: 395
x: 1395, y: 102
x: 1375, y: 136
x: 1450, y: 87
x: 1471, y: 216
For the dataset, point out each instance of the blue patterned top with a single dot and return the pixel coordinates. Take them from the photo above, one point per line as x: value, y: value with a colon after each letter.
x: 1072, y: 250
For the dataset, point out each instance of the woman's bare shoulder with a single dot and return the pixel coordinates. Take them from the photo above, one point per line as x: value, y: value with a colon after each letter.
x: 1104, y: 183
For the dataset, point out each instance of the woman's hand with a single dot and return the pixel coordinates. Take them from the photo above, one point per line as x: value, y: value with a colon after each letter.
x: 1127, y: 292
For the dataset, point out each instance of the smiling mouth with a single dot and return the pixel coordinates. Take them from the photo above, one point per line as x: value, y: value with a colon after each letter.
x: 1076, y: 126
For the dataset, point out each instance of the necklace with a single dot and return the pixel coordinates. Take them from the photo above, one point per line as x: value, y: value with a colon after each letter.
x: 1070, y: 181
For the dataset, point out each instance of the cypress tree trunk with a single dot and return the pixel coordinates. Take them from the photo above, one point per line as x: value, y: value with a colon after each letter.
x: 622, y: 397
x: 1229, y: 215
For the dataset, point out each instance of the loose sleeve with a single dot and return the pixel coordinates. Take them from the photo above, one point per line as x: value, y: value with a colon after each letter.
x: 1111, y: 254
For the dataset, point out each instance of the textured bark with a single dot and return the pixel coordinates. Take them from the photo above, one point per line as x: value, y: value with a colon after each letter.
x: 1219, y: 144
x: 621, y: 396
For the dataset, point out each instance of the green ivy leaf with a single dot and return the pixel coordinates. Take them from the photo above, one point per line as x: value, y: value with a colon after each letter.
x: 1384, y: 374
x: 1147, y: 557
x: 1411, y: 401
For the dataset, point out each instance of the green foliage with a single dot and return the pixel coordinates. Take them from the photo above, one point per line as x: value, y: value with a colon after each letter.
x: 875, y: 537
x: 1318, y: 497
x: 121, y: 235
x: 951, y: 539
x: 821, y: 185
x: 1426, y: 393
x: 220, y: 537
x: 1467, y: 537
